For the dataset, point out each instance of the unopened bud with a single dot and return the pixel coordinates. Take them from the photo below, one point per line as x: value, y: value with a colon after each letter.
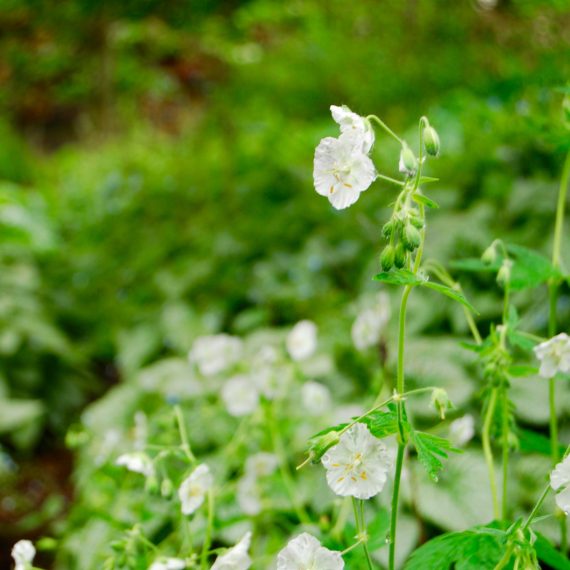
x: 416, y: 222
x: 408, y: 161
x: 388, y: 229
x: 504, y: 275
x: 411, y: 237
x: 321, y: 444
x: 440, y: 402
x: 400, y: 256
x: 431, y: 141
x: 490, y: 255
x: 387, y: 258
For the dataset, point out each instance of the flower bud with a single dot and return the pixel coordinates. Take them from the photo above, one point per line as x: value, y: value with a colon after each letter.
x: 440, y: 402
x: 411, y: 237
x: 416, y: 222
x: 504, y: 275
x: 431, y: 141
x: 408, y: 161
x: 46, y: 543
x: 388, y: 229
x: 321, y: 444
x: 490, y: 255
x: 400, y: 256
x: 166, y: 488
x: 387, y: 258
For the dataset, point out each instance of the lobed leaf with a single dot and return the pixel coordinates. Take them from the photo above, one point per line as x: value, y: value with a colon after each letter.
x: 398, y: 277
x: 431, y: 449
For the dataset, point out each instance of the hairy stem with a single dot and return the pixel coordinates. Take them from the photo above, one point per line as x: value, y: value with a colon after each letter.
x: 486, y: 441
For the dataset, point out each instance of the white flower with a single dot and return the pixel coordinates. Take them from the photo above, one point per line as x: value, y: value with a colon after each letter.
x: 168, y: 564
x: 358, y: 465
x: 554, y: 355
x: 216, y: 353
x: 137, y: 462
x: 354, y: 127
x: 23, y: 553
x: 193, y: 489
x: 302, y: 340
x: 249, y: 495
x: 462, y: 430
x: 306, y: 553
x: 342, y: 171
x: 370, y: 323
x: 560, y: 482
x: 316, y: 398
x: 261, y: 464
x: 236, y: 558
x: 240, y: 396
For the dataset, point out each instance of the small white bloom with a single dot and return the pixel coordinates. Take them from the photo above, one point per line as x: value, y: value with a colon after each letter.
x: 369, y: 324
x: 354, y: 127
x: 23, y: 553
x: 216, y: 353
x: 249, y: 495
x: 306, y: 553
x: 240, y: 396
x: 342, y: 171
x: 168, y: 564
x: 316, y: 398
x: 358, y: 465
x: 261, y: 464
x: 302, y: 340
x: 554, y: 355
x: 236, y: 558
x: 462, y: 430
x: 193, y: 489
x: 265, y: 379
x: 137, y: 462
x: 560, y: 482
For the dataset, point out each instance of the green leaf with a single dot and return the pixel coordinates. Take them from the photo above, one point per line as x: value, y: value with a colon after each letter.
x: 422, y: 199
x: 15, y: 414
x: 549, y: 555
x: 533, y: 442
x: 474, y: 264
x: 431, y: 449
x: 451, y: 293
x: 427, y: 179
x: 398, y: 277
x: 522, y: 370
x: 530, y: 269
x: 385, y: 423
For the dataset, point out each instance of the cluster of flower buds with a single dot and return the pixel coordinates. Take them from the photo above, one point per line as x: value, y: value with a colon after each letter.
x: 403, y: 232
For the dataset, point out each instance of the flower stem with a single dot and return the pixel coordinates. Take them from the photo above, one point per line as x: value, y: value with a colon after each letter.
x: 536, y: 508
x: 395, y: 496
x: 183, y: 434
x: 358, y: 507
x: 486, y: 440
x: 392, y: 180
x: 505, y: 444
x: 208, y: 535
x: 383, y: 125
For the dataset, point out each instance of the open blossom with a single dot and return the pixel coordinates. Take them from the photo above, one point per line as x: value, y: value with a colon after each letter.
x: 168, y: 564
x: 302, y: 340
x: 216, y: 353
x: 354, y: 127
x: 137, y: 462
x: 554, y: 355
x: 23, y: 553
x: 193, y: 489
x: 236, y: 558
x: 369, y: 324
x: 357, y: 466
x: 316, y: 398
x: 341, y: 171
x: 560, y: 482
x: 240, y: 396
x: 306, y: 553
x: 462, y: 430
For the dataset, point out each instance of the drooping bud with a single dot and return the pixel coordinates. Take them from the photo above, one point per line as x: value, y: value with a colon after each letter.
x: 490, y: 255
x: 431, y: 141
x: 411, y: 237
x: 416, y: 222
x: 504, y: 274
x: 408, y: 161
x: 400, y: 256
x: 440, y: 402
x: 387, y: 258
x: 388, y: 229
x: 321, y: 444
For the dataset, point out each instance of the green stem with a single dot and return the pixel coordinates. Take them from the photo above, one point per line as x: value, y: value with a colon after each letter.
x: 486, y: 441
x: 383, y: 125
x: 505, y: 559
x: 208, y: 534
x: 183, y: 434
x: 505, y: 443
x: 395, y: 496
x: 392, y: 180
x: 536, y: 508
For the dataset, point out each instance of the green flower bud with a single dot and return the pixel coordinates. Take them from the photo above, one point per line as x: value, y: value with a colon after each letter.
x: 321, y: 444
x: 166, y: 488
x: 388, y: 229
x: 440, y: 402
x: 400, y: 256
x: 387, y: 258
x: 416, y: 222
x: 431, y: 141
x: 408, y: 161
x: 504, y: 275
x: 411, y: 237
x: 490, y: 255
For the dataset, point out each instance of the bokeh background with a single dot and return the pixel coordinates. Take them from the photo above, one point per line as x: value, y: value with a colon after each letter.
x: 156, y: 184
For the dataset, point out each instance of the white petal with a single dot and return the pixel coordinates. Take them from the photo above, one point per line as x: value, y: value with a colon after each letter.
x: 240, y: 396
x: 236, y: 558
x: 193, y: 489
x: 306, y: 553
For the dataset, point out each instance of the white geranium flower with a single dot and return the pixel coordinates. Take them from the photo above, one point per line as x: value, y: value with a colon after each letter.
x: 560, y: 482
x: 193, y: 489
x: 358, y: 465
x: 216, y: 353
x: 354, y: 127
x: 240, y: 396
x: 554, y: 355
x: 137, y: 462
x: 168, y: 564
x: 261, y: 464
x: 236, y: 558
x: 462, y: 430
x: 302, y: 340
x: 316, y: 398
x: 342, y: 171
x: 306, y: 553
x: 23, y: 553
x: 369, y: 324
x: 249, y: 495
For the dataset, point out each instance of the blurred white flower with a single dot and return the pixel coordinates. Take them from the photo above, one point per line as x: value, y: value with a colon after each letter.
x: 261, y: 464
x: 560, y: 482
x: 168, y: 564
x: 358, y: 465
x: 137, y: 462
x: 554, y: 355
x: 341, y: 171
x: 23, y: 553
x: 354, y: 127
x: 306, y: 553
x: 302, y: 340
x: 236, y: 558
x: 216, y: 353
x: 316, y: 398
x: 369, y: 324
x: 140, y: 430
x: 193, y: 489
x: 249, y: 495
x: 240, y: 396
x: 462, y: 430
x: 346, y: 413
